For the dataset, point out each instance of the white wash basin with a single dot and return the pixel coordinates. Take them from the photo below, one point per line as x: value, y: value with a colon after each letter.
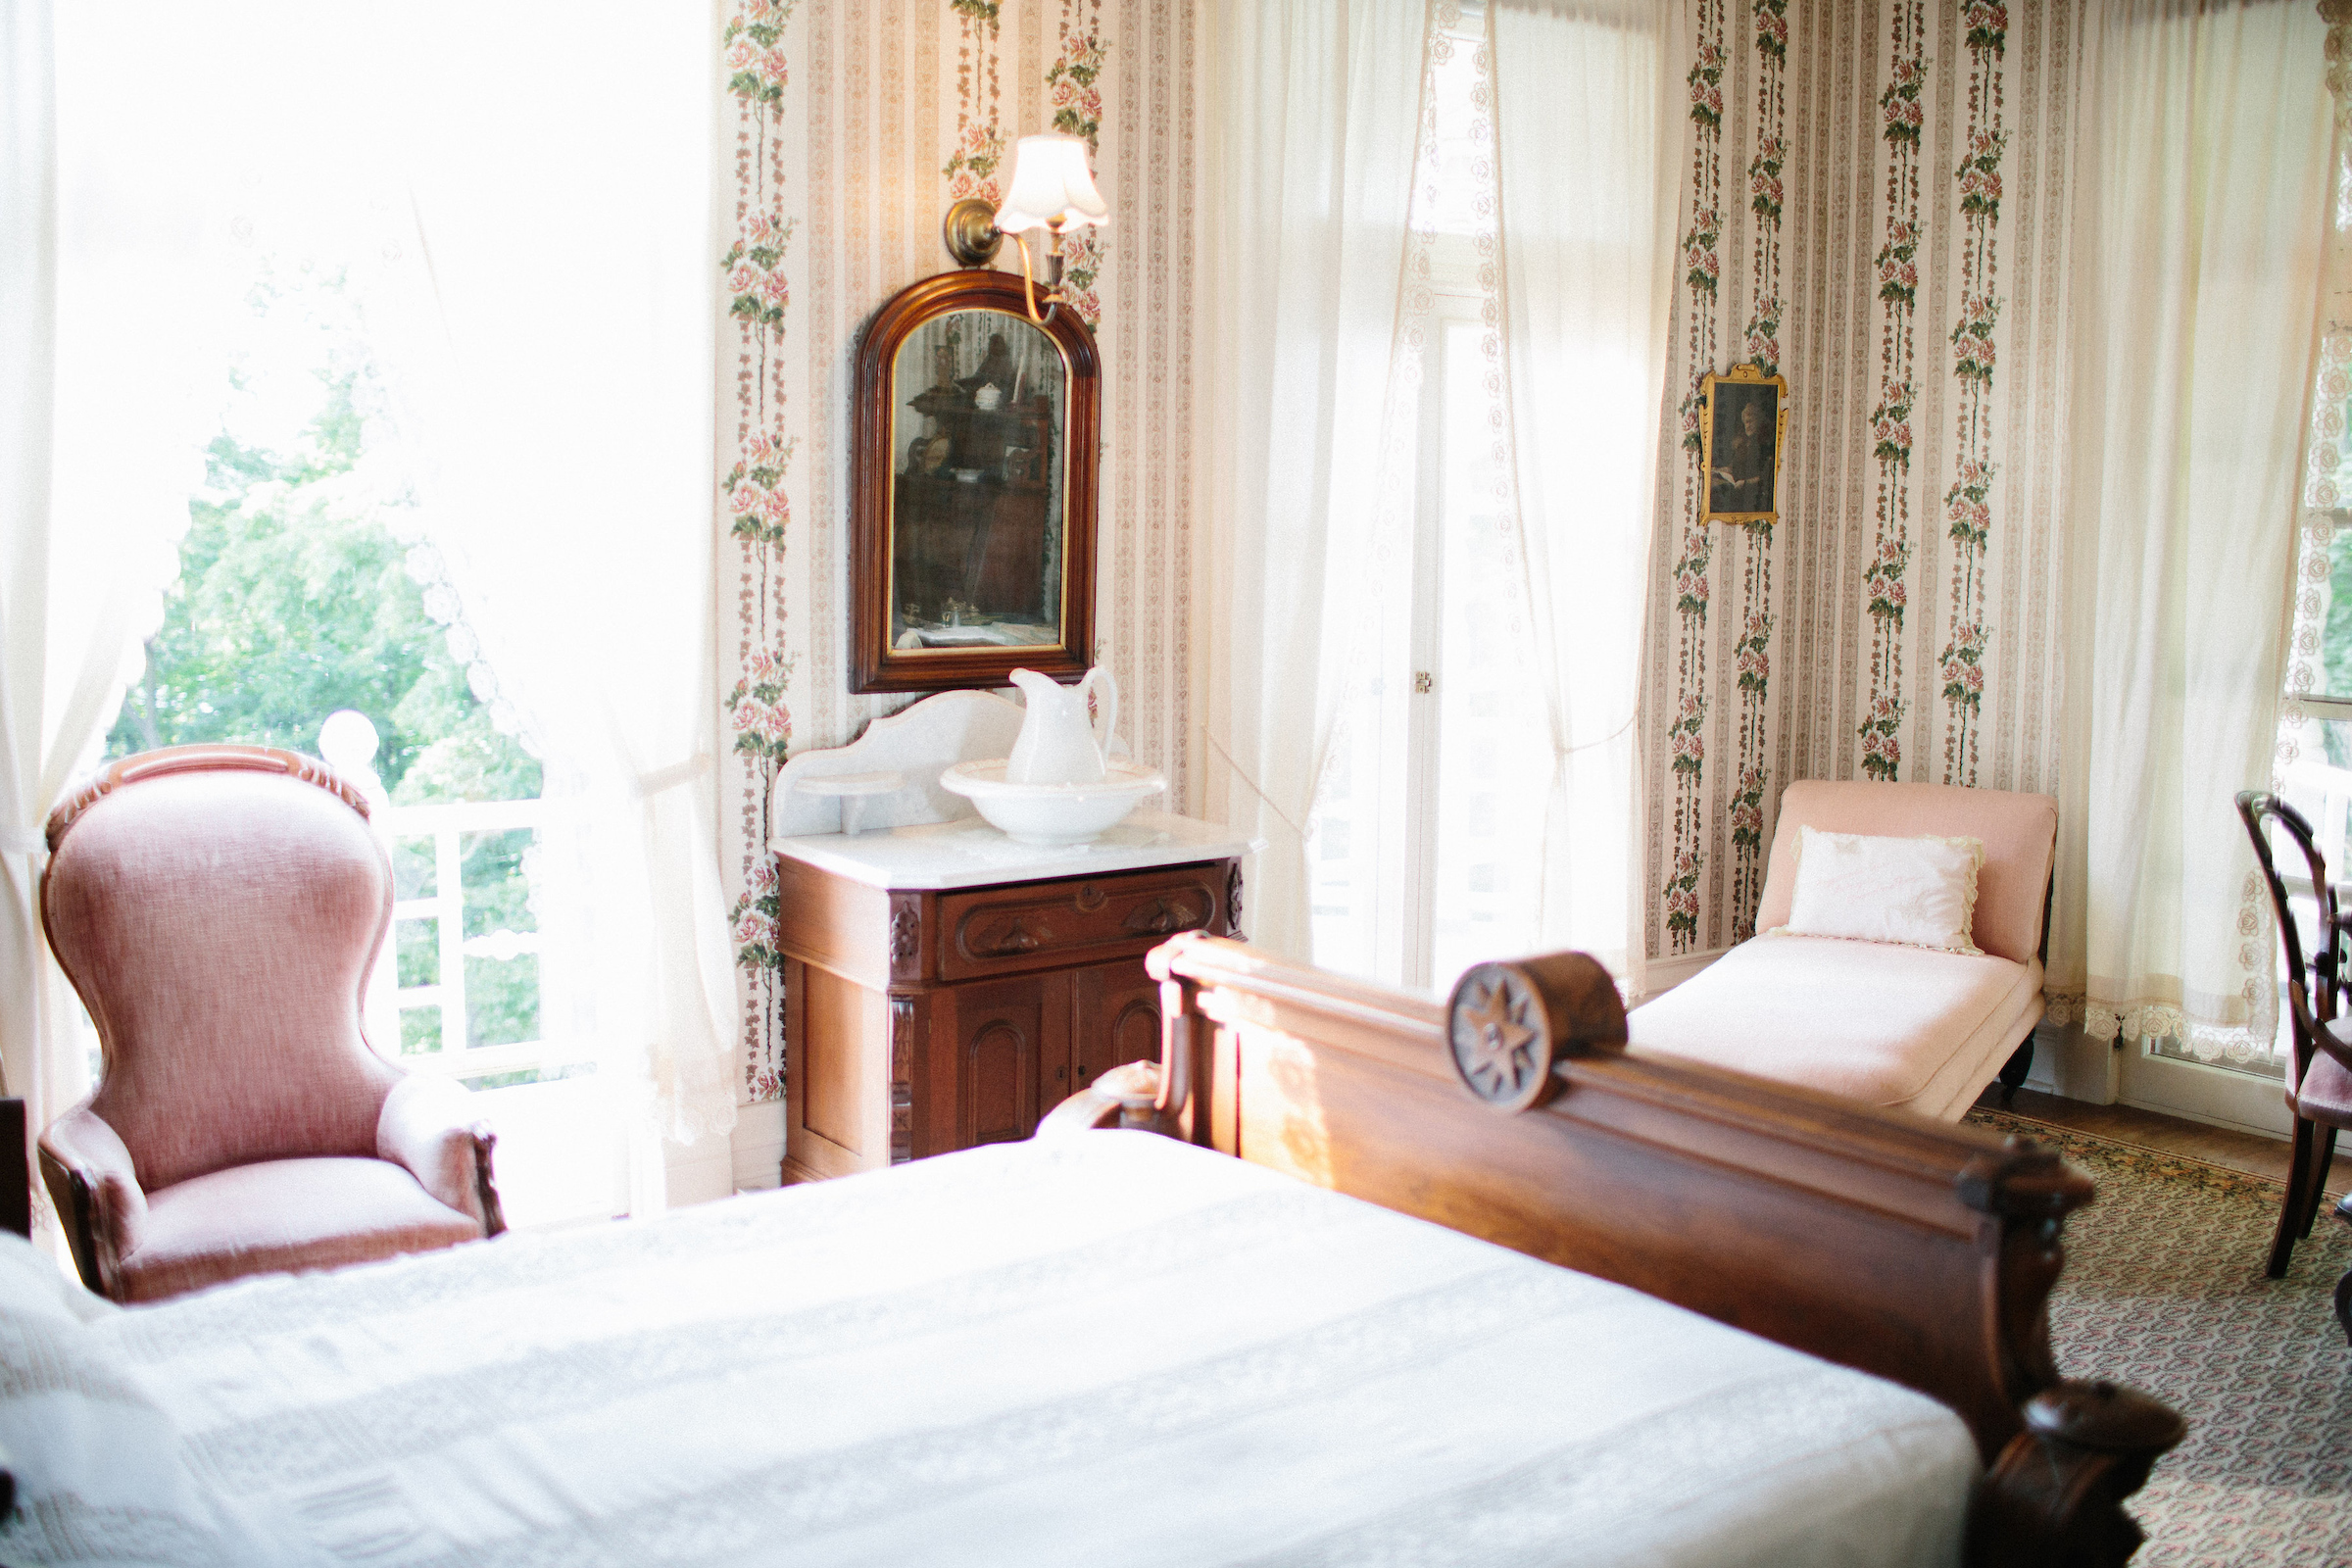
x: 1054, y: 813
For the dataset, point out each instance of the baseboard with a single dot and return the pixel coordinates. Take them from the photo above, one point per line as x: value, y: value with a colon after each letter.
x: 758, y: 1146
x: 2072, y: 1065
x: 696, y: 1173
x: 795, y: 1173
x: 2179, y: 1114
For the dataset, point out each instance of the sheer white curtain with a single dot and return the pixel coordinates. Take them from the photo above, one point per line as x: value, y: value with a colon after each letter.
x: 546, y: 337
x: 535, y: 278
x: 1586, y: 140
x: 101, y: 439
x: 2204, y: 165
x: 1314, y: 114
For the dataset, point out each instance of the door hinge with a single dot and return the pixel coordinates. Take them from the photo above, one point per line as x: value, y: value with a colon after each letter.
x: 1422, y: 682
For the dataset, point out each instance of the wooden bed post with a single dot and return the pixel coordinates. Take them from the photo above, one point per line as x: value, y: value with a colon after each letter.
x: 2056, y: 1494
x: 1889, y: 1243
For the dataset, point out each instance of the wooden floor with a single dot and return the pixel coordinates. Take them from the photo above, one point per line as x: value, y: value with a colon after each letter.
x: 2215, y: 1146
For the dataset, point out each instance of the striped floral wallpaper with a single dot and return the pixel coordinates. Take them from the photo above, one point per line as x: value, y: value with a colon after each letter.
x: 1875, y: 206
x: 852, y: 124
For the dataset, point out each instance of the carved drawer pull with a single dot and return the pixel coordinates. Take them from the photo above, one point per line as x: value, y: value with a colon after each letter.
x: 1011, y: 944
x: 1161, y: 918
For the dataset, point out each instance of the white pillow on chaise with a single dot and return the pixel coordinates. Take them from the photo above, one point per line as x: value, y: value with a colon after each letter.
x: 1916, y: 892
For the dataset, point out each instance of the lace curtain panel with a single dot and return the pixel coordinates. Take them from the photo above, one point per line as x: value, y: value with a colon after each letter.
x: 1587, y: 151
x: 2206, y: 163
x: 101, y: 441
x: 1315, y: 115
x: 553, y: 411
x: 1504, y: 171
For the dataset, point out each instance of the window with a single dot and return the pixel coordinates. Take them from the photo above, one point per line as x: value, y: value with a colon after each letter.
x: 1435, y: 784
x: 295, y: 603
x: 2318, y: 781
x: 363, y: 254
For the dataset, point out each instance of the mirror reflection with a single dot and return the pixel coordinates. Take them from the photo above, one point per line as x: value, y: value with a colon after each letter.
x: 979, y: 401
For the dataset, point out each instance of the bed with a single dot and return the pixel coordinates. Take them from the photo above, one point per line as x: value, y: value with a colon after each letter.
x: 1118, y: 1342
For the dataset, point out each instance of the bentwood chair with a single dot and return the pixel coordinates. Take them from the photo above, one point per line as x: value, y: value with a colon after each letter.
x: 219, y: 909
x: 2319, y: 1080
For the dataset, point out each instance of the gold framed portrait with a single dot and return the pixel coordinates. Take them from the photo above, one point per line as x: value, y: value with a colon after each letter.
x: 1742, y: 426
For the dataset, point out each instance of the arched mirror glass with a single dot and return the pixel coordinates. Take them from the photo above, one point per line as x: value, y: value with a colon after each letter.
x: 973, y: 516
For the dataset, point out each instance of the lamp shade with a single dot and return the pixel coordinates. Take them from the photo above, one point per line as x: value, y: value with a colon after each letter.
x: 1052, y: 186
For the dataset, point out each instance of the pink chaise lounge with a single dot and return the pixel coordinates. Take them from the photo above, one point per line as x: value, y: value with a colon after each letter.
x: 1897, y: 1026
x: 219, y: 909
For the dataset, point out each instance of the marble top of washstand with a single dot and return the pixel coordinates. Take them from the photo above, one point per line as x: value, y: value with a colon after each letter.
x: 967, y: 853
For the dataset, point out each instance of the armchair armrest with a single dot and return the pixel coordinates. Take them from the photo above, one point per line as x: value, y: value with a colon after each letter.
x: 95, y: 1187
x: 429, y: 1128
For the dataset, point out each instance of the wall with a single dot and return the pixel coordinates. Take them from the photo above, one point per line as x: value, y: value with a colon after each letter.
x: 1875, y: 198
x: 1875, y: 206
x: 851, y: 124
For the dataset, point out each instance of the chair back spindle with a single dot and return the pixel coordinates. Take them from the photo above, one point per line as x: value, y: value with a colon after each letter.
x: 2313, y: 982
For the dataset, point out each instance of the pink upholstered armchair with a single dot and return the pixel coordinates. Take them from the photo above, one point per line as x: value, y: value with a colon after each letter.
x: 219, y: 909
x: 1897, y: 1026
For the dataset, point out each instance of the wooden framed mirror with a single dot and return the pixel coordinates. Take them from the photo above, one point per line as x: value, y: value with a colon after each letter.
x: 971, y: 489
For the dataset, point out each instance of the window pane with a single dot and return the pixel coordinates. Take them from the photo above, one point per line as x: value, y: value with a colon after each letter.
x: 419, y: 948
x: 501, y: 1000
x: 2320, y: 786
x: 413, y: 867
x: 2331, y: 672
x: 1454, y: 168
x: 420, y: 1030
x: 1493, y: 750
x: 497, y: 892
x: 501, y: 977
x: 1344, y: 859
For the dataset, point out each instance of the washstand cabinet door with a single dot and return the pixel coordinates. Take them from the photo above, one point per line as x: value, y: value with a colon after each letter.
x: 1117, y: 1019
x: 1009, y: 1037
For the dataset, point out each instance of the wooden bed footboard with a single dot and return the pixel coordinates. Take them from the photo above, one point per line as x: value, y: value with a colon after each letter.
x: 1918, y: 1252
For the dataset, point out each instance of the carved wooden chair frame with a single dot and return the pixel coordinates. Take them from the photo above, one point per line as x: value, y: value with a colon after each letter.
x: 2313, y: 1001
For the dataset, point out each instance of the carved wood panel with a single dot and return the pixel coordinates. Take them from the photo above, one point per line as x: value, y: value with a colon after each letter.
x: 997, y: 930
x: 905, y: 935
x: 902, y: 1079
x: 1115, y: 1019
x: 999, y: 1037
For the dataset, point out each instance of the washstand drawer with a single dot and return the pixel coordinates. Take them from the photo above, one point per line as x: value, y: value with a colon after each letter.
x: 1079, y: 920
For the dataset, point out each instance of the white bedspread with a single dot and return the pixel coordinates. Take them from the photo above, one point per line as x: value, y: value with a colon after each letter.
x: 1114, y: 1350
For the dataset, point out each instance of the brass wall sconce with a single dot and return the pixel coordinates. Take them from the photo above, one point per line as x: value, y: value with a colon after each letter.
x: 1052, y: 190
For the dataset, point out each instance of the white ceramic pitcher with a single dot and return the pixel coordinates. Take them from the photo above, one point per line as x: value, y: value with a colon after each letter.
x: 1057, y: 744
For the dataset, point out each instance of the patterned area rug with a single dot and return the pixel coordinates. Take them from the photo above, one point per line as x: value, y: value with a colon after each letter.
x: 2164, y: 1290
